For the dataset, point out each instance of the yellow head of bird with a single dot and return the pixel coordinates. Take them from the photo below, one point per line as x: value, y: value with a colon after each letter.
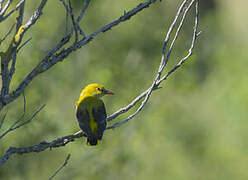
x: 95, y: 90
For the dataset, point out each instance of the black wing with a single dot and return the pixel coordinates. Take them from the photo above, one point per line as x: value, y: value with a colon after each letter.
x: 83, y: 118
x: 99, y: 114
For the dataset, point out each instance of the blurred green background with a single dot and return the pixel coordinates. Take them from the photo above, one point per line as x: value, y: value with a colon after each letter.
x: 194, y: 128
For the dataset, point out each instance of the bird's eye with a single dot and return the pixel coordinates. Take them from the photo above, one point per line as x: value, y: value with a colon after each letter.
x: 98, y: 89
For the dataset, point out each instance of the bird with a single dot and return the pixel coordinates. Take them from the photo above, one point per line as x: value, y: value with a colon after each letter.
x: 91, y: 113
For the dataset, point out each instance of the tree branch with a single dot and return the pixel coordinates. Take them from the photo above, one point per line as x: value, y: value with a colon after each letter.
x: 163, y: 63
x: 65, y: 163
x: 51, y: 59
x: 2, y: 17
x: 5, y: 7
x: 1, y: 3
x: 19, y: 20
x: 15, y: 125
x: 3, y: 118
x: 7, y: 34
x: 40, y: 147
x: 86, y: 4
x: 36, y: 15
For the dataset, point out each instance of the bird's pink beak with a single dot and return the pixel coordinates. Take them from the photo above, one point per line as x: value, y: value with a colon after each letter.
x: 108, y: 92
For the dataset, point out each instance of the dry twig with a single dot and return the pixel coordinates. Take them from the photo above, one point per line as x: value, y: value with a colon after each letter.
x: 17, y: 123
x: 60, y: 168
x: 163, y: 62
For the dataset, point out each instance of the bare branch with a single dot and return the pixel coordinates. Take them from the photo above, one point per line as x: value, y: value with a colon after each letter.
x: 12, y: 69
x: 195, y: 35
x: 157, y: 80
x: 65, y: 163
x: 11, y: 51
x: 3, y: 118
x: 36, y: 15
x: 148, y: 94
x: 21, y: 46
x: 163, y: 60
x: 5, y: 72
x: 5, y: 7
x: 1, y: 2
x: 31, y: 118
x: 52, y: 58
x: 40, y: 147
x: 2, y: 18
x: 129, y: 106
x: 18, y: 25
x: 19, y: 19
x: 7, y: 34
x: 75, y: 25
x: 86, y: 4
x: 15, y: 125
x: 18, y: 120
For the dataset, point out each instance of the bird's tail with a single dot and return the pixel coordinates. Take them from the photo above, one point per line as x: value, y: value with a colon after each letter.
x: 92, y: 141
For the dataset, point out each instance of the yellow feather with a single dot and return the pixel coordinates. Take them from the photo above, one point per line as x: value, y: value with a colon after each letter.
x: 93, y: 124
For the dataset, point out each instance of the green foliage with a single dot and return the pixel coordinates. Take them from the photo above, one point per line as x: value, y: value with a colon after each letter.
x: 195, y: 127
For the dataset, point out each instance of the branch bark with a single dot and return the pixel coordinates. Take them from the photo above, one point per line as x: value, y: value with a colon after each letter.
x: 40, y: 147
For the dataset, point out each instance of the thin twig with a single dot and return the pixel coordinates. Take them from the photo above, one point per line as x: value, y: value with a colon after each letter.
x: 7, y: 34
x: 19, y: 19
x: 6, y: 6
x: 31, y: 118
x: 66, y: 8
x: 66, y: 21
x: 15, y: 125
x: 137, y: 99
x: 58, y: 170
x: 1, y: 2
x: 36, y: 15
x: 75, y: 25
x: 18, y: 120
x: 3, y: 118
x: 22, y: 45
x: 18, y: 25
x: 157, y: 81
x: 195, y: 35
x: 167, y: 38
x: 129, y: 106
x: 86, y: 4
x: 12, y: 68
x: 2, y: 18
x: 148, y: 94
